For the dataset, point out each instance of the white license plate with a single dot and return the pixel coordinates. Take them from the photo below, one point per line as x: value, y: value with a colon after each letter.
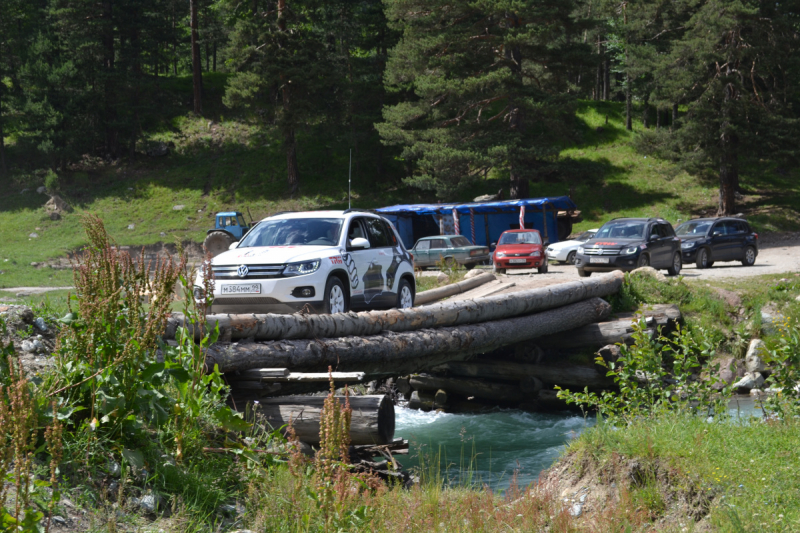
x: 517, y: 260
x: 598, y: 259
x: 250, y: 288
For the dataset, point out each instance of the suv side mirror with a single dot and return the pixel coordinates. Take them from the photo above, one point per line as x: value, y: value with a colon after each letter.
x: 716, y: 234
x: 359, y: 242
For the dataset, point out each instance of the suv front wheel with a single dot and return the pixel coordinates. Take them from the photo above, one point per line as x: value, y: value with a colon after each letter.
x: 334, y: 299
x: 677, y: 264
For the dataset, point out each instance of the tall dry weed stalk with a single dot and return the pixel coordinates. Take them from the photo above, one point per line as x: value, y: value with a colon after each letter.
x: 18, y: 436
x: 122, y: 306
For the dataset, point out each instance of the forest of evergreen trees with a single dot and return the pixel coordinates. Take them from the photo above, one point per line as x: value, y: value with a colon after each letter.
x: 455, y: 88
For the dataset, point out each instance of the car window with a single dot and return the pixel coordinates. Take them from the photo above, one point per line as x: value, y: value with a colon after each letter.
x: 654, y: 232
x: 437, y: 243
x: 295, y: 232
x: 666, y: 230
x: 621, y: 230
x: 528, y: 237
x: 423, y: 245
x: 460, y: 241
x: 377, y: 233
x: 241, y: 221
x: 390, y: 233
x: 734, y: 227
x: 743, y: 227
x: 719, y: 228
x: 693, y: 228
x: 356, y: 231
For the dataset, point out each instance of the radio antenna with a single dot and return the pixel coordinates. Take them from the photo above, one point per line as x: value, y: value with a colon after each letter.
x: 349, y: 178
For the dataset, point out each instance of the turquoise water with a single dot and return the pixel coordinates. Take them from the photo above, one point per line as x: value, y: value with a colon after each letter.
x: 501, y: 441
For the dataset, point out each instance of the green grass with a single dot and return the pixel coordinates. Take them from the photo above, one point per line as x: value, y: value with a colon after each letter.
x: 749, y: 469
x: 226, y: 161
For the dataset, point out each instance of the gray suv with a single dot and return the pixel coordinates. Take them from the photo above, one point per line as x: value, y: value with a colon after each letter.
x: 630, y: 243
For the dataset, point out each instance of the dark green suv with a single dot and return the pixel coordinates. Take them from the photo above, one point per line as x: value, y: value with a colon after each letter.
x: 630, y: 243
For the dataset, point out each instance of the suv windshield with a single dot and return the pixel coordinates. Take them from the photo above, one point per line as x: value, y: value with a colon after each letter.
x: 621, y: 229
x: 528, y: 237
x: 693, y: 228
x: 295, y: 232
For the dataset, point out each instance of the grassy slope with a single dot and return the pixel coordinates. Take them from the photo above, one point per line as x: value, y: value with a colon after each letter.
x: 233, y: 164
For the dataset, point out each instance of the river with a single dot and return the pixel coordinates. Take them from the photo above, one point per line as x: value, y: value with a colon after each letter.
x: 488, y: 447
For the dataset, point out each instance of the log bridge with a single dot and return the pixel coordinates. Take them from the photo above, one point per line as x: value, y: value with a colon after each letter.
x: 508, y: 349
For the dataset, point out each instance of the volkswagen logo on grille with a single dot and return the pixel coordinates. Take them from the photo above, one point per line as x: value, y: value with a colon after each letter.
x: 242, y: 271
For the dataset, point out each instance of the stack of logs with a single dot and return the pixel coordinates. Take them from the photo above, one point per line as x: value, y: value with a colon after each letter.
x: 524, y: 375
x: 497, y: 348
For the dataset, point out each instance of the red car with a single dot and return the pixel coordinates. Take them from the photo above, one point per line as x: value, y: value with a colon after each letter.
x: 519, y: 248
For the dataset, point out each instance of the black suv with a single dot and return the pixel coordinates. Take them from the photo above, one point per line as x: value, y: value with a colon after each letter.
x: 629, y: 243
x: 707, y: 240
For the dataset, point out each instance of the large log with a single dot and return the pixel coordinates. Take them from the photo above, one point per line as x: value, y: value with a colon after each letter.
x: 570, y: 376
x: 445, y: 314
x: 438, y: 293
x: 403, y: 353
x: 478, y: 388
x: 620, y: 330
x: 372, y: 420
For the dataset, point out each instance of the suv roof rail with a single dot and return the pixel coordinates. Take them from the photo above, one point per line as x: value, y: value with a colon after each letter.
x: 358, y: 210
x: 280, y: 213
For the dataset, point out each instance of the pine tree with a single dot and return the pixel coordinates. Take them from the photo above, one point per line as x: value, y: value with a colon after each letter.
x: 486, y: 81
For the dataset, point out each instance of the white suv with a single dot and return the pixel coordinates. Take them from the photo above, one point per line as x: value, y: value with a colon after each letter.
x: 319, y: 261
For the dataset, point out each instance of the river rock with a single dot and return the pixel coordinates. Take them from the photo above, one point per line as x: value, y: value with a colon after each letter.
x: 34, y: 235
x: 150, y: 503
x: 730, y: 297
x: 41, y: 189
x: 56, y: 204
x: 442, y: 278
x: 753, y: 361
x: 40, y: 324
x: 649, y: 272
x: 472, y: 273
x: 159, y: 149
x: 771, y: 319
x: 178, y: 207
x: 751, y: 380
x: 28, y: 346
x: 728, y: 371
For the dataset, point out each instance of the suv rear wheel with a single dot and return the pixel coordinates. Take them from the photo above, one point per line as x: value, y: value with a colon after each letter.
x: 677, y: 263
x: 335, y: 300
x: 749, y: 258
x: 405, y: 297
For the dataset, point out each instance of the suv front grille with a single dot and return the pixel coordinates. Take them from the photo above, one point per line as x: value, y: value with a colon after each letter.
x: 254, y: 272
x: 600, y: 251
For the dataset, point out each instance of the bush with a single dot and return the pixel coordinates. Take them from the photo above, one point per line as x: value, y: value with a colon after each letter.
x: 51, y: 180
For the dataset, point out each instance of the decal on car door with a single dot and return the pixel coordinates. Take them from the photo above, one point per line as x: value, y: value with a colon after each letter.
x: 373, y: 282
x: 352, y: 271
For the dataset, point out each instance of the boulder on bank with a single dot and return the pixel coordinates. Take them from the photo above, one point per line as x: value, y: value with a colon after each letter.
x: 57, y: 205
x: 649, y: 272
x: 753, y: 361
x: 751, y: 380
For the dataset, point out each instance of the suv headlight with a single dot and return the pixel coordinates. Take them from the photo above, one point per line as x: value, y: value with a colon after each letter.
x: 631, y: 250
x: 580, y: 250
x: 300, y: 269
x: 687, y: 245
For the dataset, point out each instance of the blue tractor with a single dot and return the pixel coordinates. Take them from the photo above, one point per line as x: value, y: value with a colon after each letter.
x: 229, y: 228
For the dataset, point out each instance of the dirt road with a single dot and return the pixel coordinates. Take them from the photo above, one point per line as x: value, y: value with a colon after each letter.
x: 779, y: 254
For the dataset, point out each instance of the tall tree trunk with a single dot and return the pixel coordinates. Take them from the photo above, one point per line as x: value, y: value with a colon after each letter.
x: 197, y: 79
x: 674, y: 114
x: 108, y: 89
x: 628, y: 117
x: 658, y: 118
x: 646, y: 111
x: 606, y: 78
x: 598, y: 82
x: 3, y: 167
x: 519, y: 183
x: 214, y: 62
x: 729, y: 156
x: 289, y: 141
x: 174, y: 48
x: 208, y: 58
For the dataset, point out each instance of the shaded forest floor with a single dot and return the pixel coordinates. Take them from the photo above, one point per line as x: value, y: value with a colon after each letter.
x: 226, y: 161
